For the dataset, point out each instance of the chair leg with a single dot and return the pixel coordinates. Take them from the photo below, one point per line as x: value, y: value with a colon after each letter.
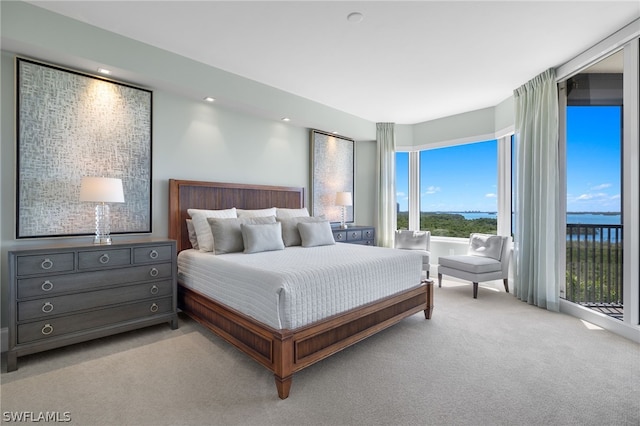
x: 506, y: 285
x: 475, y: 290
x: 439, y: 279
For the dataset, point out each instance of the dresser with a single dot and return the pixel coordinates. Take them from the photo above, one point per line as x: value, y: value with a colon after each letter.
x: 65, y: 294
x: 365, y: 235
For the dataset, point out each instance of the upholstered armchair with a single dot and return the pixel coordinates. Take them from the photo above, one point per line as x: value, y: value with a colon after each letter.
x: 487, y: 259
x: 415, y: 240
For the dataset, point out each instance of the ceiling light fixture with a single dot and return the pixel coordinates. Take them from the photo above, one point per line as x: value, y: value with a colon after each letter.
x: 209, y: 99
x: 104, y: 71
x: 355, y: 17
x: 285, y: 119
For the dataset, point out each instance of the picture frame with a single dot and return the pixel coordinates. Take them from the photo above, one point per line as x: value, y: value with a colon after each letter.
x: 72, y: 125
x: 332, y: 171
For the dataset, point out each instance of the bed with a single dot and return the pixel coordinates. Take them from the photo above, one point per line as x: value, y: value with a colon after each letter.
x: 284, y: 351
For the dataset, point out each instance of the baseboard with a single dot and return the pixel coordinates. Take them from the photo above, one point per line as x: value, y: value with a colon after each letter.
x: 4, y: 339
x: 601, y: 320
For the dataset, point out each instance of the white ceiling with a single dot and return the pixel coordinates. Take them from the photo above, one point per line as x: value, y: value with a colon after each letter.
x: 405, y: 62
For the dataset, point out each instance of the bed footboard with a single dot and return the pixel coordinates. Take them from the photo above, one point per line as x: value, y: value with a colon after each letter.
x: 285, y: 352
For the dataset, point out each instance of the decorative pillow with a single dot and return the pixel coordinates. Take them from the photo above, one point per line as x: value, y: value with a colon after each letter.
x: 227, y: 233
x: 486, y: 245
x: 290, y: 233
x: 412, y: 240
x: 289, y: 213
x: 256, y: 213
x: 193, y: 239
x: 316, y: 234
x: 202, y: 228
x: 265, y: 237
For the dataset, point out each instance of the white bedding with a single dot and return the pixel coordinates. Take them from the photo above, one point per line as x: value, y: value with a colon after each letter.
x: 289, y: 288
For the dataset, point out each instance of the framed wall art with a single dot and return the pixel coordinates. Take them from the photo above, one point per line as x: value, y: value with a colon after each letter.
x: 332, y: 171
x: 72, y: 125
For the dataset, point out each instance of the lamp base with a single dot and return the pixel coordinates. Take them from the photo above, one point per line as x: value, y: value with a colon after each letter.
x: 102, y: 240
x: 343, y: 226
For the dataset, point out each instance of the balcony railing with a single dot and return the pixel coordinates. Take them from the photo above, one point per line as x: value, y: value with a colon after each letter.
x: 594, y: 267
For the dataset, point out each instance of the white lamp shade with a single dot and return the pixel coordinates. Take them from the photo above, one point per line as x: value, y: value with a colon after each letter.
x: 101, y: 190
x: 344, y: 199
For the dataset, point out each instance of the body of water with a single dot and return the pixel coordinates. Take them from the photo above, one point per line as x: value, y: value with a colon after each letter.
x: 586, y: 218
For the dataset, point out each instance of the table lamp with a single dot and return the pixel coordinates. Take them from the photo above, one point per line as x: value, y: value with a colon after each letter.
x: 102, y: 191
x: 343, y: 199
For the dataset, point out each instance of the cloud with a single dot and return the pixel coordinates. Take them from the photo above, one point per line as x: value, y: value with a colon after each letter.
x: 490, y: 195
x: 595, y: 196
x: 601, y: 187
x: 432, y: 189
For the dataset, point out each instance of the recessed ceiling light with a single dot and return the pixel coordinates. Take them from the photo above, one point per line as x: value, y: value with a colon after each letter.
x: 209, y: 99
x: 285, y: 119
x: 355, y: 17
x: 104, y: 71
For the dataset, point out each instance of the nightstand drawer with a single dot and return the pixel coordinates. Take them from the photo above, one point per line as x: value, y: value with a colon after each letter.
x: 45, y: 263
x: 152, y: 254
x: 340, y: 236
x: 52, y: 327
x: 54, y: 306
x: 103, y: 258
x: 56, y: 284
x: 354, y: 235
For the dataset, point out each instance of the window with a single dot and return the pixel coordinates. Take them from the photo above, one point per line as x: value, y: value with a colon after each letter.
x: 458, y: 189
x: 402, y: 190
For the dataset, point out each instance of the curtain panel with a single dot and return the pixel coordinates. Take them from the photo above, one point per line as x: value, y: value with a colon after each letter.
x: 537, y: 215
x: 386, y: 184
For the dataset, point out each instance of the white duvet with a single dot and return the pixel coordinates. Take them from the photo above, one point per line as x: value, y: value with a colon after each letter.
x: 290, y: 288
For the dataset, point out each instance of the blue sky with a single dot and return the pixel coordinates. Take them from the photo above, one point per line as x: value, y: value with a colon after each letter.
x: 464, y: 178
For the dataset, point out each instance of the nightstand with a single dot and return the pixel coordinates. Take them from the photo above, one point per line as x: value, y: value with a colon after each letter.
x: 355, y: 235
x: 65, y: 294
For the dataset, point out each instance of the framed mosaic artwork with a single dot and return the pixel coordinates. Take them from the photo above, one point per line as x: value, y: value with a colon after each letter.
x: 332, y: 171
x: 72, y: 125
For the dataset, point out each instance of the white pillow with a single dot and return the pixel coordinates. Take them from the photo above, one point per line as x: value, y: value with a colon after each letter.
x: 411, y: 240
x: 316, y: 234
x: 227, y: 233
x: 289, y: 213
x: 193, y: 239
x: 202, y: 228
x: 256, y: 213
x: 486, y: 245
x: 265, y: 237
x: 290, y: 232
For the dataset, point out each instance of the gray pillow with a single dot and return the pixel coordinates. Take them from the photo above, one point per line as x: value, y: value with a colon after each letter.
x: 486, y: 245
x: 227, y: 233
x: 316, y: 234
x: 290, y: 232
x: 265, y: 237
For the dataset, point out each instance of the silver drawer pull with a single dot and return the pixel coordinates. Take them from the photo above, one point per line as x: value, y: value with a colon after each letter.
x: 46, y: 264
x: 353, y: 235
x: 153, y: 308
x: 47, y: 307
x: 154, y: 289
x: 104, y: 259
x: 47, y: 286
x: 154, y: 272
x: 47, y: 329
x: 153, y: 254
x: 338, y: 236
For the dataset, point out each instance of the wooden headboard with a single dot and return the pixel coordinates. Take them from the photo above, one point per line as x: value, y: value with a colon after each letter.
x: 189, y: 194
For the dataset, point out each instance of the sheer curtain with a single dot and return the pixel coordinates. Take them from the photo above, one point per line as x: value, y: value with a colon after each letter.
x: 386, y: 184
x: 537, y: 192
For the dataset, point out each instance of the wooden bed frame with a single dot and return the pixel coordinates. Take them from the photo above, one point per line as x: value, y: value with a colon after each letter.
x: 284, y: 352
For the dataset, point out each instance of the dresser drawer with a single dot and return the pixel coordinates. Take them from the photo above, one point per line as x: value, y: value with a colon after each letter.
x: 54, y: 306
x: 52, y: 327
x: 103, y: 258
x: 56, y: 284
x: 368, y: 234
x: 45, y: 263
x: 152, y: 254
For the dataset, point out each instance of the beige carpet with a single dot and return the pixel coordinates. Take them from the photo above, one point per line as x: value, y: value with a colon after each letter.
x: 489, y: 361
